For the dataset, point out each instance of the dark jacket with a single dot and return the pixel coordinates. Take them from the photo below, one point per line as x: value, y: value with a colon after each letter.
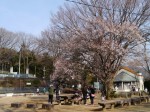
x: 91, y: 92
x: 84, y: 92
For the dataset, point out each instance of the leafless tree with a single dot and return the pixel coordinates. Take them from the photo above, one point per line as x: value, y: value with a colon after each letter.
x: 26, y: 44
x: 141, y: 61
x: 7, y: 39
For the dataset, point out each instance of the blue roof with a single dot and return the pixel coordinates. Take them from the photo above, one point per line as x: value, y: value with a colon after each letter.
x: 126, y: 77
x: 6, y: 75
x: 17, y: 75
x: 24, y: 76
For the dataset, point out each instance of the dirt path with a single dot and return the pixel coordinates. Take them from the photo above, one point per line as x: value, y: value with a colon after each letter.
x: 5, y: 106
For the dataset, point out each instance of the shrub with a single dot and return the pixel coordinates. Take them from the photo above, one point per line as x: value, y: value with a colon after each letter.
x: 114, y: 94
x: 143, y: 93
x: 126, y: 94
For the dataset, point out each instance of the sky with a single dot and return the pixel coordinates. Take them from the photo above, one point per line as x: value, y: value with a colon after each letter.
x: 28, y: 16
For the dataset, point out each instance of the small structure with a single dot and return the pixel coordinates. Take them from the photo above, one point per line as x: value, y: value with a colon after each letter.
x: 127, y: 80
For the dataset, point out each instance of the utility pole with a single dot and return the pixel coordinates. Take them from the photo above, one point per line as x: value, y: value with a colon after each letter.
x: 19, y: 60
x: 19, y: 68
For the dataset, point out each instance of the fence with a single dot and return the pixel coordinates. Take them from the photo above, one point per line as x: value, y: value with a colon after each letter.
x: 20, y: 90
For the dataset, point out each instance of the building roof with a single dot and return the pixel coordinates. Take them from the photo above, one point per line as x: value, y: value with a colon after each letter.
x: 130, y: 70
x: 125, y: 77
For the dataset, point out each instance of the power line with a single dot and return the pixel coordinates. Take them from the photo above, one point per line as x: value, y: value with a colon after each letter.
x: 104, y: 8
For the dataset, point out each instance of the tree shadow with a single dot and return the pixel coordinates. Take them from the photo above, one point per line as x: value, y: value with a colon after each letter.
x: 98, y: 109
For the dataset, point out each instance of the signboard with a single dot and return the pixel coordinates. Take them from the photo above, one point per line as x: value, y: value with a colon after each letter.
x: 28, y: 83
x: 98, y: 85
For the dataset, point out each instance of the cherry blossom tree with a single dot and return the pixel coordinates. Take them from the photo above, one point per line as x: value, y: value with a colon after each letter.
x: 99, y: 34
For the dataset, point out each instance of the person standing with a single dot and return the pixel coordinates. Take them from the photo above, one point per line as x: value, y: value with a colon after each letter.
x: 146, y: 90
x: 57, y: 91
x: 84, y: 93
x: 92, y: 94
x: 103, y: 95
x: 50, y: 94
x: 37, y: 91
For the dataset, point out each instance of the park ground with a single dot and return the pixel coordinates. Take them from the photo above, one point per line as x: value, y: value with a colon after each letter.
x: 5, y: 105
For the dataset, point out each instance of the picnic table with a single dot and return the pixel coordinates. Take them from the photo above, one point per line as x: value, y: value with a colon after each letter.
x: 67, y: 98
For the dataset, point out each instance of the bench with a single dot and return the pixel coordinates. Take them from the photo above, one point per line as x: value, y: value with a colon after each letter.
x: 114, y: 103
x: 47, y: 106
x: 145, y: 98
x: 127, y: 101
x: 122, y: 102
x: 16, y: 104
x: 31, y: 105
x: 119, y: 102
x: 135, y: 100
x: 106, y: 103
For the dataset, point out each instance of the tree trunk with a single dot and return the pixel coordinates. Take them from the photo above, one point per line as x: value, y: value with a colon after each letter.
x: 108, y: 89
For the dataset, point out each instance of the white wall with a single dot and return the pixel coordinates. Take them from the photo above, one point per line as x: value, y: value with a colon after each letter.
x: 141, y: 81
